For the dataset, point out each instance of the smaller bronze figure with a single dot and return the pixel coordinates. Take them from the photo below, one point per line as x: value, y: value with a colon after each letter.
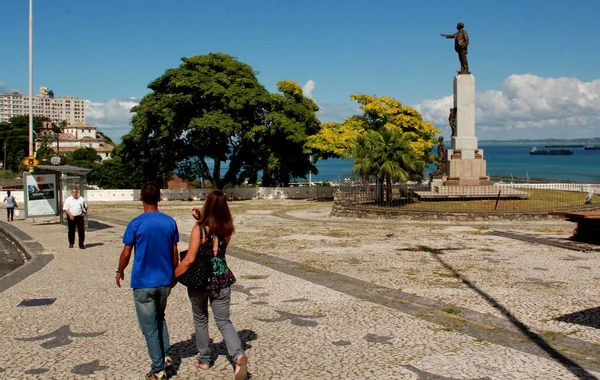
x: 441, y: 151
x: 452, y: 120
x: 461, y: 42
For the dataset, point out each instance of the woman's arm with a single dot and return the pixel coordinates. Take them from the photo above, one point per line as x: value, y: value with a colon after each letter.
x: 189, y: 259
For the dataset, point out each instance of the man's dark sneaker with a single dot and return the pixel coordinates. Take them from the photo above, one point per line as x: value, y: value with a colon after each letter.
x: 82, y: 247
x: 162, y: 375
x: 70, y: 245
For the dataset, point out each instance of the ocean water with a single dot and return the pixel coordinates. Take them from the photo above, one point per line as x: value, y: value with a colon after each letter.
x: 502, y: 160
x: 505, y: 160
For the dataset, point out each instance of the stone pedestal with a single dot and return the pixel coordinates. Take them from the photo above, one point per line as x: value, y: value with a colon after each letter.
x: 465, y: 164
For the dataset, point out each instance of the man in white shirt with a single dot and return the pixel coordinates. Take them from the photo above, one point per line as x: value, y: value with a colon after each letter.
x: 75, y: 208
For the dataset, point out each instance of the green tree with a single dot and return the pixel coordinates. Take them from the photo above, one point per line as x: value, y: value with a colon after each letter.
x: 378, y: 114
x: 205, y: 108
x: 83, y: 157
x: 389, y: 157
x: 14, y: 137
x: 292, y: 118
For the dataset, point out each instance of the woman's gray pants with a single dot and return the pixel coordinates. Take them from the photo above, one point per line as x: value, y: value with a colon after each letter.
x: 219, y: 302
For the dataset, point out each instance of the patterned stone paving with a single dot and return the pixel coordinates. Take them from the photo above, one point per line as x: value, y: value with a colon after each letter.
x: 354, y: 304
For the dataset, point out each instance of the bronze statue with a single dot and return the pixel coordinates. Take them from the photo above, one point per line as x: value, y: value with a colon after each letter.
x: 461, y: 41
x: 441, y: 151
x: 452, y: 120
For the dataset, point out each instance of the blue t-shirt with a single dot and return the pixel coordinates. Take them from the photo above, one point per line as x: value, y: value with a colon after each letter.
x: 153, y: 235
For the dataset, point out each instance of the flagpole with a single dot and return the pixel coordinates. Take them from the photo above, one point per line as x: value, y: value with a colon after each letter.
x: 31, y: 78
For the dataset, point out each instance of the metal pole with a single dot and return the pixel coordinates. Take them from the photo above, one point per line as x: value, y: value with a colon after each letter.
x: 30, y: 77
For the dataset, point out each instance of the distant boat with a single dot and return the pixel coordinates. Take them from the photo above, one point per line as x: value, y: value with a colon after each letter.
x: 592, y: 147
x: 550, y: 152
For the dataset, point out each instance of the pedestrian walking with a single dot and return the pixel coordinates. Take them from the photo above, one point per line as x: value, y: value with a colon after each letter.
x: 11, y: 204
x: 207, y: 249
x: 76, y: 208
x: 153, y: 237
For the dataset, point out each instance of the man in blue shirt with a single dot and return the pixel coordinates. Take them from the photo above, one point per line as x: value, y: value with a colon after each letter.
x: 154, y: 236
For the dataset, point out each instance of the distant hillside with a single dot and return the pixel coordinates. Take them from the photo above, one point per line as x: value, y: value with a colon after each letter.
x: 106, y: 138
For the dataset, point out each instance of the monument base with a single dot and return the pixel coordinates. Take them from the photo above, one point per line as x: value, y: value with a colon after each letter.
x: 466, y: 168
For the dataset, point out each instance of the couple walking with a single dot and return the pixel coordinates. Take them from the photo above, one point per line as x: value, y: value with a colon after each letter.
x: 156, y: 268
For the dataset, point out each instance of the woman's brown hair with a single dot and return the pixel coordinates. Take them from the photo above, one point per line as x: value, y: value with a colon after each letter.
x: 216, y: 215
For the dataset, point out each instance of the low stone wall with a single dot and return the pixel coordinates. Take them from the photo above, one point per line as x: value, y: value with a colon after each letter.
x: 314, y: 192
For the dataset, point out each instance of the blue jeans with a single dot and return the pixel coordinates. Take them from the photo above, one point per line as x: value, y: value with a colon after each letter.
x: 150, y: 305
x: 219, y: 302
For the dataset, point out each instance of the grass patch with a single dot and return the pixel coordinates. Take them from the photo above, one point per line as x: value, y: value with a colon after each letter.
x: 551, y: 335
x: 487, y: 249
x: 446, y: 275
x: 255, y: 276
x: 452, y: 310
x: 339, y: 233
x: 540, y: 200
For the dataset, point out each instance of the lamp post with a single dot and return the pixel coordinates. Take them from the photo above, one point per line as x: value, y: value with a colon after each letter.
x: 31, y: 79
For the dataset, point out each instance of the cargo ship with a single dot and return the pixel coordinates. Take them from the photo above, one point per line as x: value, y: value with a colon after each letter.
x: 591, y: 147
x: 550, y: 152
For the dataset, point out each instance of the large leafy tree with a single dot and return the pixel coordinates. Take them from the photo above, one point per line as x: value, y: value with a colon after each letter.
x: 205, y: 108
x: 379, y: 114
x: 292, y: 118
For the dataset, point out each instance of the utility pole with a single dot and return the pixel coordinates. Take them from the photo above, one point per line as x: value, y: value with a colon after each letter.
x: 30, y: 78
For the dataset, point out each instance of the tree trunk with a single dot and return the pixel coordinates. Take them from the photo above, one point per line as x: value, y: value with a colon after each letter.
x: 217, y: 185
x: 388, y: 190
x: 379, y: 190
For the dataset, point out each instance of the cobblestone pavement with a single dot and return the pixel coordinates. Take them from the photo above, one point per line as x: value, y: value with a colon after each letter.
x: 321, y: 298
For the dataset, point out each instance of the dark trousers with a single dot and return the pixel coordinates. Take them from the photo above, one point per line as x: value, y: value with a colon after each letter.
x: 10, y: 213
x: 464, y: 63
x: 77, y: 222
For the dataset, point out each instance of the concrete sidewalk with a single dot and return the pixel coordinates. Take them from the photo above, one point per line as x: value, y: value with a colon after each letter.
x: 316, y: 298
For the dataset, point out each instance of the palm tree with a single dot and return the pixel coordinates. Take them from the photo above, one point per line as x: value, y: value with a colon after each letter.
x: 387, y: 155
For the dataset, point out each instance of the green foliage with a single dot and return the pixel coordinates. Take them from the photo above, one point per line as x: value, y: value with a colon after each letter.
x: 15, y: 134
x: 213, y: 107
x: 116, y: 173
x: 83, y: 157
x: 384, y: 120
x: 292, y: 118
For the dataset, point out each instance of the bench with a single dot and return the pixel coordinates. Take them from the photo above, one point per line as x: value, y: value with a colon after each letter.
x: 588, y: 225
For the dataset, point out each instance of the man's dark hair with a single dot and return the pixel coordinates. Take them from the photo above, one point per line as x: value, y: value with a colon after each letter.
x: 150, y: 193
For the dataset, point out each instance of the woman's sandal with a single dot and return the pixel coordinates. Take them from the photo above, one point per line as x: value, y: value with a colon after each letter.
x: 201, y: 365
x: 241, y: 368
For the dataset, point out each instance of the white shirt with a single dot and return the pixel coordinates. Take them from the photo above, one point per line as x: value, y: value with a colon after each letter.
x: 75, y: 206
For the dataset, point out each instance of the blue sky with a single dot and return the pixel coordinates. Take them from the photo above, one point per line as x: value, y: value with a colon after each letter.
x: 108, y: 51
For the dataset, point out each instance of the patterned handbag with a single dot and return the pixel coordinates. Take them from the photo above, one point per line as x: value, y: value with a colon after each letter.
x: 198, y: 274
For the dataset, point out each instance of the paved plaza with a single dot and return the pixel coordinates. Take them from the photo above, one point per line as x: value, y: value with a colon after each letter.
x: 316, y: 298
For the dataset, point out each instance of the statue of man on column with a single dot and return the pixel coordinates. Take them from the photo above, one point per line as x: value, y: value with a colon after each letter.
x: 461, y: 42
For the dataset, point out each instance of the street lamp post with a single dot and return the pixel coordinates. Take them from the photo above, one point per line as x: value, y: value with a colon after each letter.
x: 30, y: 79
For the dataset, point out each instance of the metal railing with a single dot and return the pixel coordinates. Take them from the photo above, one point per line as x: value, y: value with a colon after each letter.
x: 508, y: 193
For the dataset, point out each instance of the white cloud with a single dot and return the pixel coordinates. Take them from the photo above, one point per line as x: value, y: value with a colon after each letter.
x: 308, y: 88
x: 112, y: 117
x: 529, y: 106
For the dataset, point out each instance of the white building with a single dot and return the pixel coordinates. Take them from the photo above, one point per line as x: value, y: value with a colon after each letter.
x: 73, y: 137
x: 68, y: 108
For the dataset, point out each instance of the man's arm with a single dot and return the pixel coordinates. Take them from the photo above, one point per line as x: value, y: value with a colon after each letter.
x: 449, y: 35
x: 175, y: 256
x: 123, y: 262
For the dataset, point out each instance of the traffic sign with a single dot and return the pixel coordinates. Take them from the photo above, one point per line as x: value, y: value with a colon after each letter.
x: 30, y: 161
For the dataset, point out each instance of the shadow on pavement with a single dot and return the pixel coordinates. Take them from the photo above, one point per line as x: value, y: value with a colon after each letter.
x: 569, y: 364
x: 587, y: 317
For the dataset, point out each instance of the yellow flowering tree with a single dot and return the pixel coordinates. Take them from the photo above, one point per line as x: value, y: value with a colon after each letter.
x: 379, y: 114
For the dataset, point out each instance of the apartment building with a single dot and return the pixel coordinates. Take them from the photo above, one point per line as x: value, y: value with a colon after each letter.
x: 68, y: 108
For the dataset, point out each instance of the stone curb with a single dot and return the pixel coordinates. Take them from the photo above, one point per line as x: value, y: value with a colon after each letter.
x: 32, y: 251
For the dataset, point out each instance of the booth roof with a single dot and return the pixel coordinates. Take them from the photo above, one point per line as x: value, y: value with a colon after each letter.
x: 65, y: 169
